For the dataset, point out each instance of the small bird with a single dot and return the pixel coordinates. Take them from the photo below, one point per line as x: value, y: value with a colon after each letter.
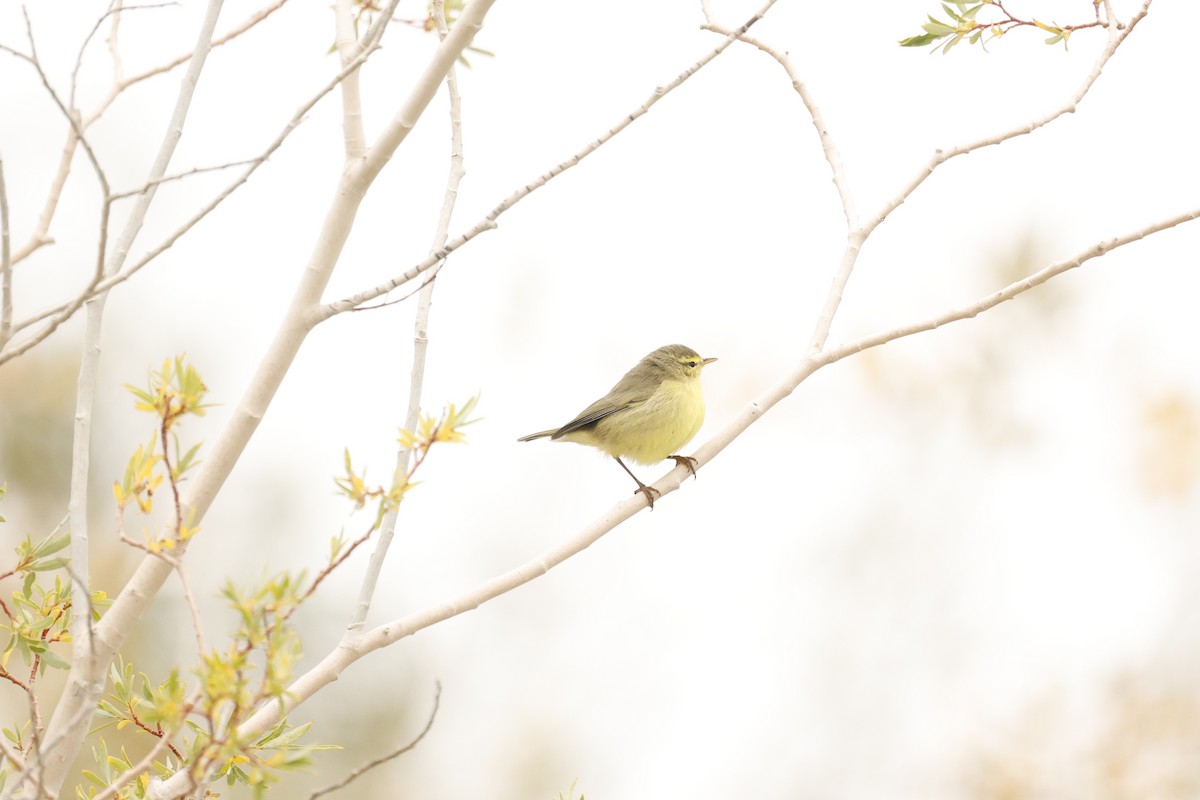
x: 652, y: 412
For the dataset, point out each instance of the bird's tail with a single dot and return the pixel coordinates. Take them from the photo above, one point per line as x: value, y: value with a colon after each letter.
x: 538, y: 435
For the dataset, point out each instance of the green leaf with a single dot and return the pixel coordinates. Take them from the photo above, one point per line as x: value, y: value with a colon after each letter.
x: 272, y: 734
x: 951, y: 43
x: 52, y: 659
x: 285, y: 739
x: 52, y: 544
x: 919, y: 41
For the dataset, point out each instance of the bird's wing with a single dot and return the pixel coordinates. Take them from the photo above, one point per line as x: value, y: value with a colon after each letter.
x: 622, y: 397
x: 589, y: 416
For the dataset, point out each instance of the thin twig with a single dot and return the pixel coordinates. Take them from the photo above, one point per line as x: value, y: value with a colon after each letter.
x: 102, y: 244
x: 828, y: 146
x: 60, y: 313
x: 183, y: 58
x: 370, y: 765
x: 36, y: 758
x: 420, y: 336
x: 83, y: 680
x: 41, y: 233
x: 113, y: 42
x: 35, y: 735
x: 394, y: 630
x: 147, y: 761
x: 338, y: 659
x: 429, y: 278
x: 178, y: 176
x: 147, y: 580
x: 489, y: 221
x: 193, y: 607
x: 1116, y: 35
x: 115, y: 11
x: 857, y: 235
x: 71, y: 114
x: 319, y: 578
x: 1007, y: 293
x: 157, y: 549
x: 371, y: 38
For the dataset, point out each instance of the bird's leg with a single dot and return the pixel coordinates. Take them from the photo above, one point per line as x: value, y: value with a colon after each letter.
x: 685, y: 461
x: 643, y: 488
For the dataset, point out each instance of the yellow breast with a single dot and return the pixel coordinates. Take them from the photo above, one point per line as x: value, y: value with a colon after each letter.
x: 656, y: 428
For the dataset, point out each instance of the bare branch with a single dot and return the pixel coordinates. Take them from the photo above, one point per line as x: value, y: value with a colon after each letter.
x: 193, y: 607
x: 430, y: 277
x: 1116, y: 35
x: 832, y: 156
x: 183, y: 58
x: 187, y: 174
x: 253, y: 163
x: 35, y: 759
x: 71, y: 115
x: 64, y: 311
x: 353, y: 133
x: 91, y: 656
x: 113, y: 41
x: 41, y: 232
x: 389, y: 633
x: 40, y: 236
x: 489, y: 221
x: 375, y: 32
x: 177, y: 565
x: 114, y: 49
x: 420, y: 335
x: 1007, y: 293
x: 102, y: 244
x: 327, y: 670
x: 143, y: 586
x: 856, y: 235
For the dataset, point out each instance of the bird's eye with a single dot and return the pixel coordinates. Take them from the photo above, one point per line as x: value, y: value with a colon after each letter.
x: 691, y: 364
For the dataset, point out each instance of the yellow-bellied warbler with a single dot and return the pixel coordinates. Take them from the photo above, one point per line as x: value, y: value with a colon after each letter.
x: 652, y: 412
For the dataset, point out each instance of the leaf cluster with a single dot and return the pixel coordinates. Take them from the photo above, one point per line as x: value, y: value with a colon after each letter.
x: 255, y: 667
x: 961, y: 23
x: 197, y: 728
x: 174, y: 392
x: 37, y: 616
x: 446, y: 428
x: 431, y: 430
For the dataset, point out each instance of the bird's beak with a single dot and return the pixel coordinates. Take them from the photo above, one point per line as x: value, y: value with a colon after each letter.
x: 708, y: 361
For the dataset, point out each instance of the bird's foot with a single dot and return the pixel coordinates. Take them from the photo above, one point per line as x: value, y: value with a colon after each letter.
x: 649, y: 492
x: 685, y: 461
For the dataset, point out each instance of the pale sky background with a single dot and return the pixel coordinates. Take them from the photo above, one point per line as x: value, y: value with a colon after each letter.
x: 937, y: 567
